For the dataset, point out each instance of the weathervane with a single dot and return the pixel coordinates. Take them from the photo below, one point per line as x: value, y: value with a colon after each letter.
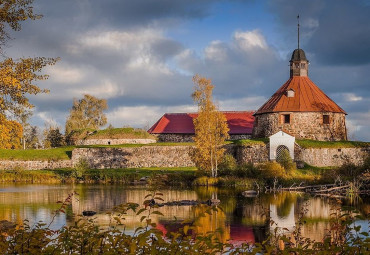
x: 298, y: 29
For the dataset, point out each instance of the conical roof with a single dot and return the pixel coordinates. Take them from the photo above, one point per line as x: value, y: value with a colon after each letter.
x: 307, y: 98
x: 298, y: 55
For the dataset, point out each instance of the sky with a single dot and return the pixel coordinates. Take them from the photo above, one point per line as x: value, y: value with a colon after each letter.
x: 141, y: 55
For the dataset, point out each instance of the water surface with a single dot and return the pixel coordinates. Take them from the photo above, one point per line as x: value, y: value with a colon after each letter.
x: 242, y: 219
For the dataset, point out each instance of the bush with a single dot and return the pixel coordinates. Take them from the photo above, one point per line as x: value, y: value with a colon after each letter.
x: 271, y: 169
x: 248, y: 170
x: 286, y: 161
x: 205, y: 181
x: 80, y: 168
x: 349, y: 170
x: 228, y: 165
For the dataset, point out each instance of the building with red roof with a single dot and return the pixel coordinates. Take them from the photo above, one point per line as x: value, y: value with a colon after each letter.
x: 179, y: 127
x: 300, y: 108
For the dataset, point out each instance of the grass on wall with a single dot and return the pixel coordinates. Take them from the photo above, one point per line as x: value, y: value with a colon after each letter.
x: 329, y: 144
x: 60, y: 153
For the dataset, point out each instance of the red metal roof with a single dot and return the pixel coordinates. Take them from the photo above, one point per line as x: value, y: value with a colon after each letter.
x: 307, y: 98
x: 182, y: 123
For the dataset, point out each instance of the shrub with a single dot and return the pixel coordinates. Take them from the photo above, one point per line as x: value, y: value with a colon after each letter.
x: 228, y: 165
x: 349, y: 170
x: 80, y: 168
x: 271, y: 169
x: 286, y: 161
x: 205, y: 181
x: 248, y: 170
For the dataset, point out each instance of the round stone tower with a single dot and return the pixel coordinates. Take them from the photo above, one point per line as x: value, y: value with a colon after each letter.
x: 300, y: 108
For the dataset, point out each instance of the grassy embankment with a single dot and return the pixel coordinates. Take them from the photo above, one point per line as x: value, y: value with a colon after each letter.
x: 112, y: 133
x: 245, y: 175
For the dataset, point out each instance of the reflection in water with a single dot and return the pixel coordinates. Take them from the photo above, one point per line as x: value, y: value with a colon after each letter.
x: 241, y: 219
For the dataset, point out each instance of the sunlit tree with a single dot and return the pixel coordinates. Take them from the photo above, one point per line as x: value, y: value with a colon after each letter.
x: 87, y: 113
x: 211, y: 128
x: 18, y: 76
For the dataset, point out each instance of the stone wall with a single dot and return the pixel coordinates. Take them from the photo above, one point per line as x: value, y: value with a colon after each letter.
x: 186, y: 138
x: 322, y: 157
x: 113, y: 141
x: 256, y: 153
x: 34, y: 165
x: 178, y: 156
x: 175, y: 138
x: 134, y: 157
x: 303, y: 125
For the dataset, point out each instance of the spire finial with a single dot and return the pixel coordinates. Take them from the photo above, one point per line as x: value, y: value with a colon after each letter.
x: 298, y: 29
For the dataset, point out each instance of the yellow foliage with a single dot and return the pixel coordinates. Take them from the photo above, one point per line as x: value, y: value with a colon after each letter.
x: 272, y: 169
x: 211, y: 128
x: 10, y: 133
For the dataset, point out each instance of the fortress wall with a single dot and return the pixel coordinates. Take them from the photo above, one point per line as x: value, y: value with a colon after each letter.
x: 179, y: 156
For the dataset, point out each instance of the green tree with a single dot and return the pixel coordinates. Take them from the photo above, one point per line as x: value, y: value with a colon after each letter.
x: 86, y: 113
x: 211, y: 128
x: 53, y: 137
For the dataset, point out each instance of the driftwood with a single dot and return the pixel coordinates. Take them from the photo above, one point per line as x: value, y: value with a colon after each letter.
x: 331, y: 189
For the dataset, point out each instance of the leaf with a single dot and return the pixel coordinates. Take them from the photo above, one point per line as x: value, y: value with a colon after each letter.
x: 186, y: 228
x: 140, y: 211
x: 157, y: 212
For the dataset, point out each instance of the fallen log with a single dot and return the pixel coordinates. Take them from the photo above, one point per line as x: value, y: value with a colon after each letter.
x: 331, y: 189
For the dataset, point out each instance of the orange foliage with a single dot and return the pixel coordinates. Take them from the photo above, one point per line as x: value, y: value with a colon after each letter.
x: 10, y: 133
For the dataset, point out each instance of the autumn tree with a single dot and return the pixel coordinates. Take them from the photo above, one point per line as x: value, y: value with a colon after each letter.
x: 10, y: 134
x: 18, y: 76
x: 86, y: 113
x: 211, y: 128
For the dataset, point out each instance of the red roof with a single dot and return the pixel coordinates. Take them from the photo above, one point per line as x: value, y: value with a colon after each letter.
x: 182, y: 123
x: 307, y: 98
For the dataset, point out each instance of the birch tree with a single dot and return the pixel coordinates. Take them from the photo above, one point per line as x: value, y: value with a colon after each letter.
x: 211, y: 128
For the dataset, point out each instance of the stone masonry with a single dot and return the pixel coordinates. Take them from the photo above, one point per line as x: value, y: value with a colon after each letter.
x: 113, y: 141
x: 178, y: 156
x: 303, y: 125
x: 134, y: 157
x: 34, y: 165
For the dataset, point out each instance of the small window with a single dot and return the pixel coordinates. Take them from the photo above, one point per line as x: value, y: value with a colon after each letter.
x: 303, y: 65
x: 109, y: 143
x: 296, y: 65
x: 256, y: 121
x: 290, y: 93
x: 325, y: 119
x: 285, y: 119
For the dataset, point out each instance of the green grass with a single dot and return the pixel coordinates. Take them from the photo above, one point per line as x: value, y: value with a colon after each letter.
x: 61, y: 153
x: 65, y: 153
x: 248, y: 142
x: 134, y: 145
x: 173, y: 176
x: 112, y: 133
x: 328, y: 144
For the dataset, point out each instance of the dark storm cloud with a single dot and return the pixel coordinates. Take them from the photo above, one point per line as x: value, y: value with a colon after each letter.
x: 338, y: 31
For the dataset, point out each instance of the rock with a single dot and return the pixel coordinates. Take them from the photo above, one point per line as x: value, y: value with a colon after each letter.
x: 6, y: 225
x: 213, y: 201
x: 250, y: 193
x: 88, y: 213
x: 299, y: 164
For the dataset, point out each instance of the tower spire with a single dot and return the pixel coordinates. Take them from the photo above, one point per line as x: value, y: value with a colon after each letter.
x: 298, y: 29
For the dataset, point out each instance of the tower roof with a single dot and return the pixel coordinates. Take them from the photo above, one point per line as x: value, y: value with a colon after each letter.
x: 307, y: 98
x: 298, y: 55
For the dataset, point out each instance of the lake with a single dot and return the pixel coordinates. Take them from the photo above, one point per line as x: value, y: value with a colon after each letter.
x: 241, y: 219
